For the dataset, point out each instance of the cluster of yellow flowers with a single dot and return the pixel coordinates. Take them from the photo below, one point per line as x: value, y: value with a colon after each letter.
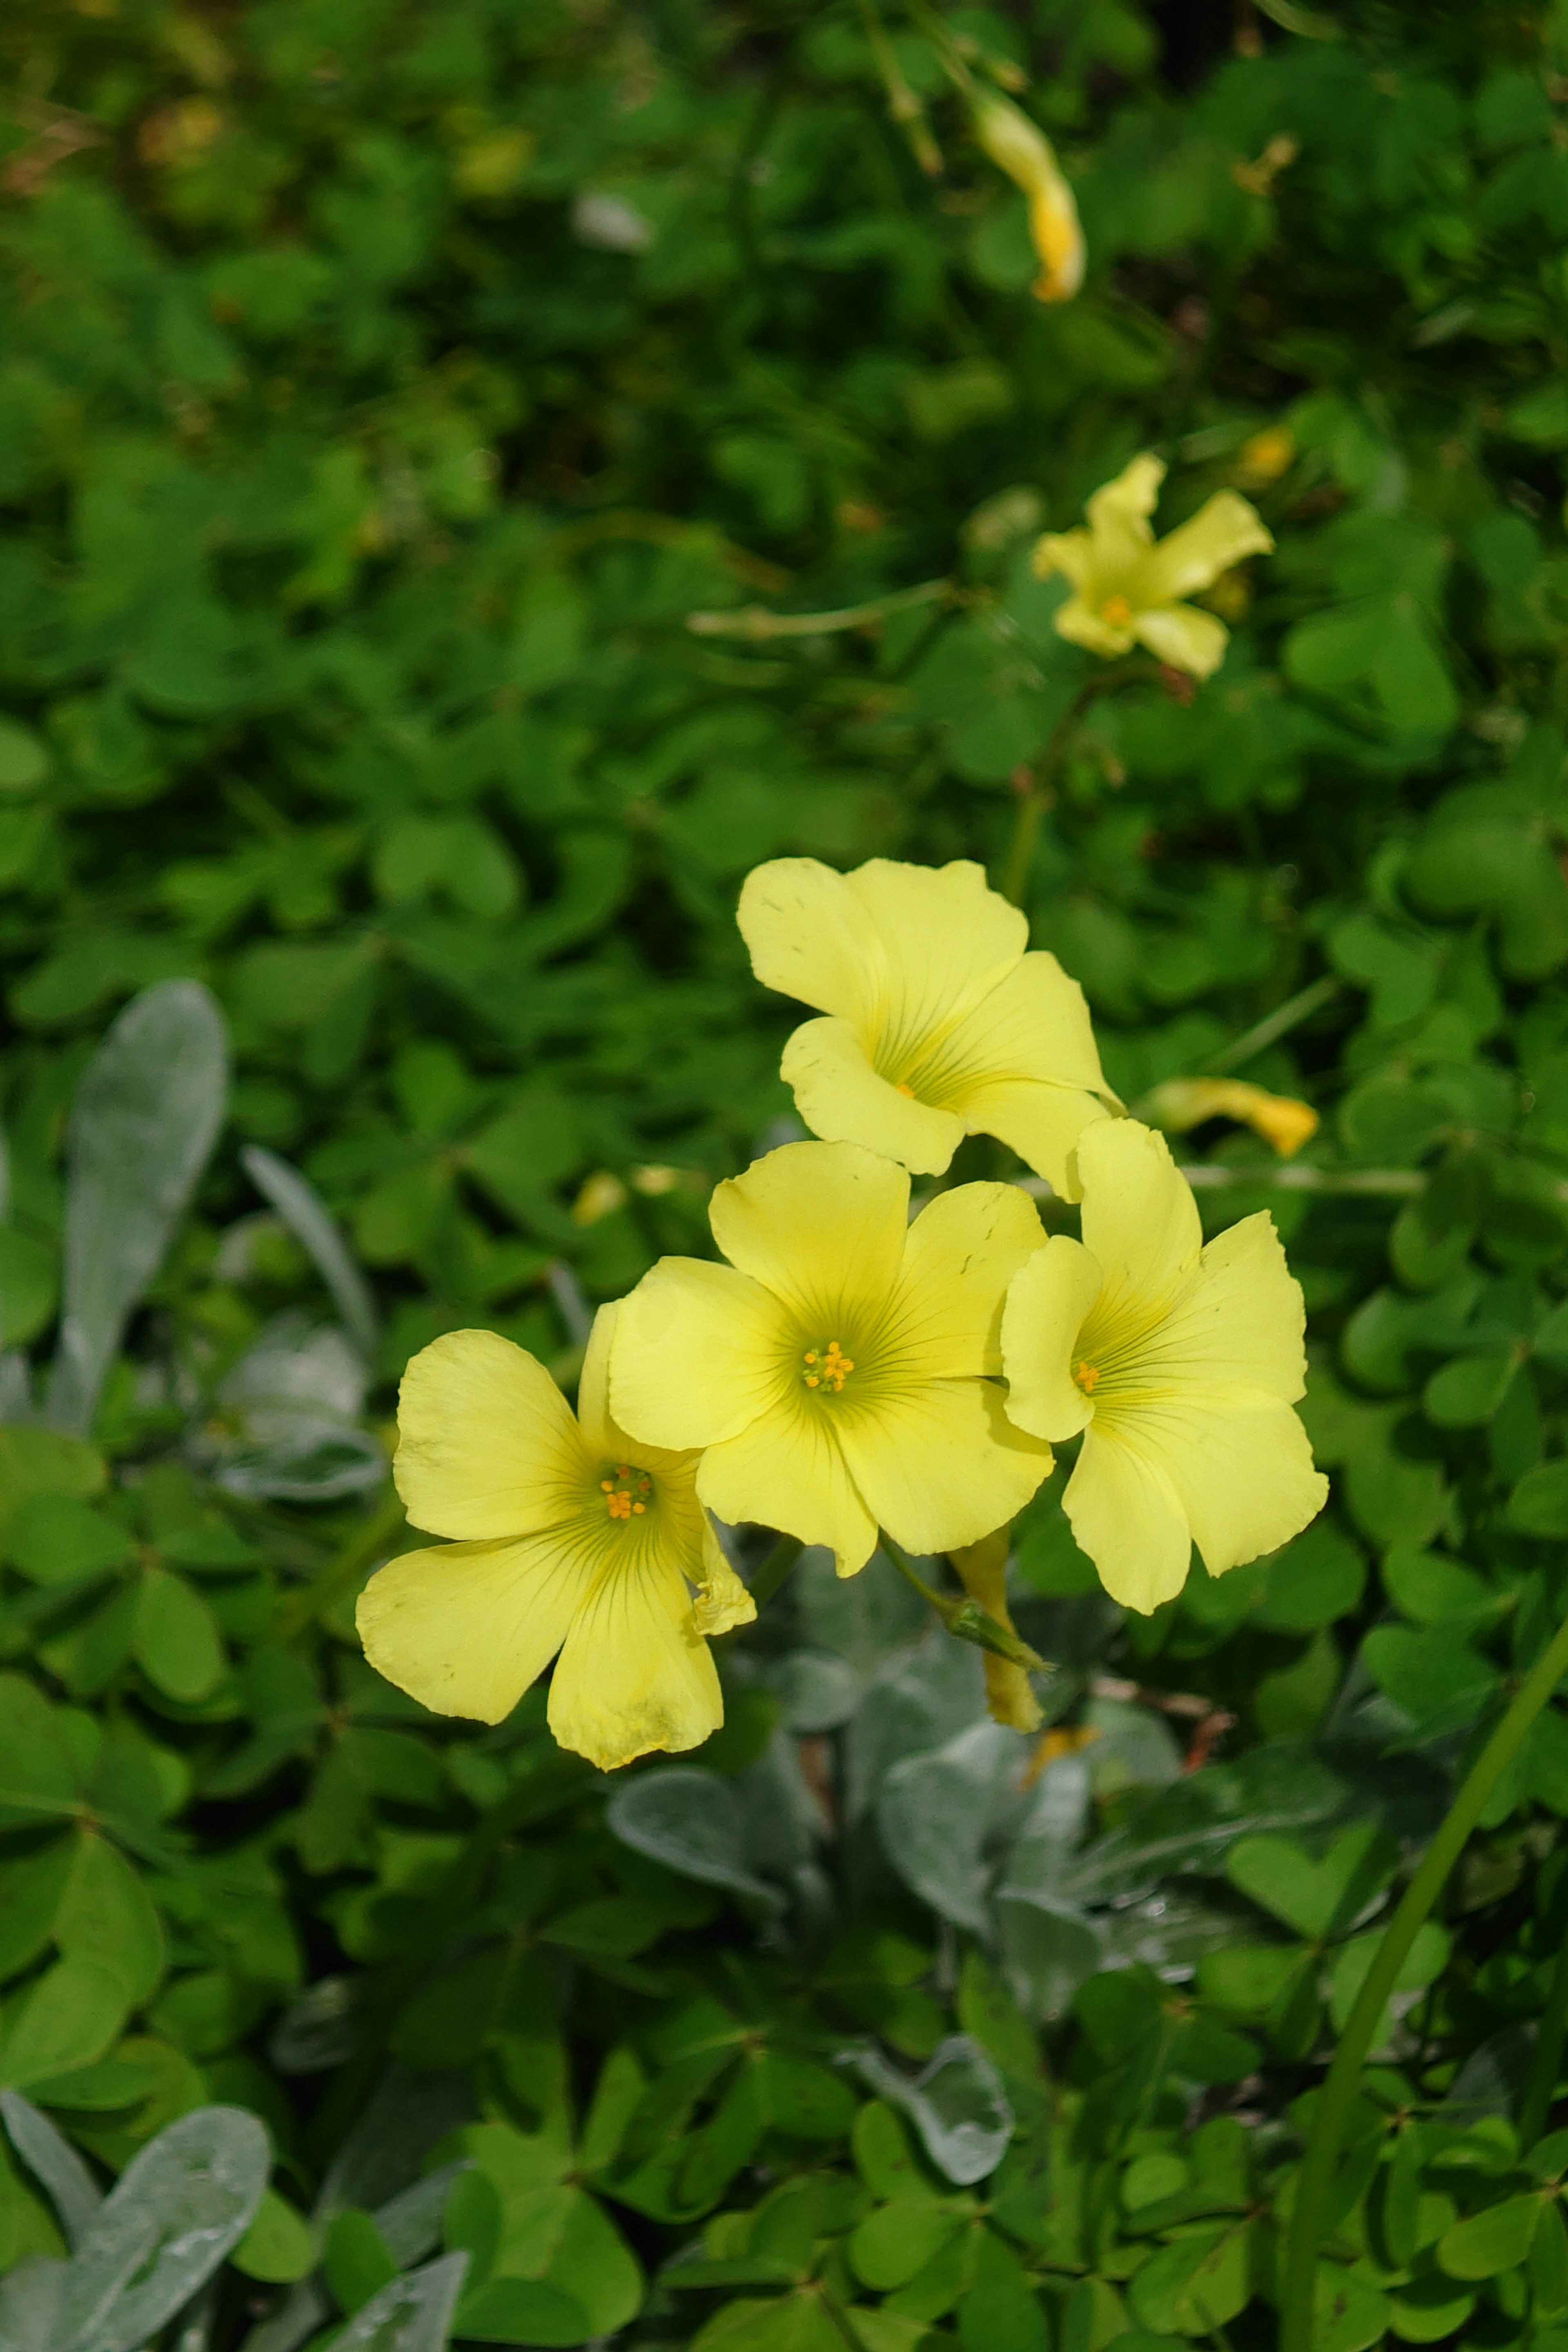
x: 846, y: 1369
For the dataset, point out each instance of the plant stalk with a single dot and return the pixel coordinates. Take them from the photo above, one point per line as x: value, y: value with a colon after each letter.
x: 1034, y: 802
x: 1542, y: 2084
x: 1339, y: 2091
x: 965, y: 1619
x: 774, y: 1569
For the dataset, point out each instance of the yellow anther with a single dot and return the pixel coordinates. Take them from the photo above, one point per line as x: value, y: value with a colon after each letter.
x: 638, y: 1509
x: 1116, y: 611
x: 607, y: 1486
x: 1086, y: 1375
x: 908, y: 1092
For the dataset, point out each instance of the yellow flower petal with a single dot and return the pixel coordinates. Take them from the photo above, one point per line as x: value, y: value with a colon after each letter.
x: 1224, y: 529
x: 1071, y: 552
x: 1119, y: 510
x: 1034, y: 1023
x: 1182, y: 637
x: 822, y: 1225
x: 1139, y: 1220
x: 466, y: 1627
x: 1244, y: 1473
x: 635, y: 1674
x: 1241, y: 1322
x: 1128, y: 1517
x: 945, y: 1317
x: 944, y: 939
x: 936, y: 1462
x: 1083, y: 624
x: 1049, y: 1301
x: 788, y: 1471
x: 699, y: 1351
x: 487, y: 1446
x: 1042, y: 1124
x: 1021, y: 149
x: 842, y: 1097
x: 808, y: 937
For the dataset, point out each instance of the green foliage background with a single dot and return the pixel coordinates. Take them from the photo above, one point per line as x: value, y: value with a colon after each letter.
x: 382, y: 388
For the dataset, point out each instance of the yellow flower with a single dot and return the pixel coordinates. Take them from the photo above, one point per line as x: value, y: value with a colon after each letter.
x: 841, y: 1370
x: 938, y: 1024
x: 1180, y: 1364
x: 1127, y: 586
x: 1177, y: 1104
x: 570, y: 1536
x: 1018, y: 147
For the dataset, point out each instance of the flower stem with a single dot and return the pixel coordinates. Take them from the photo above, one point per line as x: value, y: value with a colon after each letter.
x: 1315, y: 2184
x: 1543, y: 2085
x: 1276, y: 1024
x: 1034, y: 802
x: 774, y: 1569
x: 758, y: 625
x: 965, y: 1619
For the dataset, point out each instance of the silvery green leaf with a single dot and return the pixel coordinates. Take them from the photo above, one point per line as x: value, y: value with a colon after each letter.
x: 957, y: 2104
x: 1049, y: 1950
x: 410, y: 2222
x: 319, y: 2028
x: 409, y: 2314
x: 815, y: 1691
x: 306, y: 1214
x: 1493, y: 2080
x: 861, y: 1618
x: 287, y: 1428
x: 1193, y: 1825
x: 938, y: 1813
x: 384, y: 2152
x: 73, y: 2192
x: 692, y: 1822
x: 175, y: 2211
x: 1167, y: 1932
x: 299, y: 1457
x: 1133, y: 1748
x: 30, y: 2305
x: 146, y: 1115
x: 300, y: 1366
x: 918, y: 1700
x: 1051, y: 1828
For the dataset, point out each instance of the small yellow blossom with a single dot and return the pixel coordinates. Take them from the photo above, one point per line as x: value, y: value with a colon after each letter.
x: 602, y: 1194
x: 1127, y: 586
x: 1178, y: 1104
x: 569, y: 1536
x: 983, y: 1572
x: 841, y: 1370
x: 1179, y: 1363
x: 1265, y: 456
x: 938, y: 1024
x: 1020, y: 148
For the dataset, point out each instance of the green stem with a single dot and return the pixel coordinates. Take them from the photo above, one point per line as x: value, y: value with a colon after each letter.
x: 1338, y: 2095
x: 1276, y: 1024
x: 345, y: 1566
x: 1543, y: 2085
x: 774, y: 1569
x: 1033, y: 803
x: 756, y: 623
x: 964, y: 1619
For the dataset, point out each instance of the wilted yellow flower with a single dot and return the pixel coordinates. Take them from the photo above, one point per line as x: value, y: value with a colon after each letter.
x: 1020, y: 148
x: 1177, y: 1104
x: 983, y: 1572
x: 1180, y: 1364
x: 841, y: 1370
x: 570, y: 1536
x: 1127, y: 586
x: 938, y: 1023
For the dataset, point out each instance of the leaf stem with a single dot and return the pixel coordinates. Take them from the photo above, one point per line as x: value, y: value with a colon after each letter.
x: 1276, y: 1024
x: 757, y: 624
x: 965, y: 1619
x: 1034, y: 802
x: 1315, y: 2184
x: 774, y: 1569
x: 1542, y: 2087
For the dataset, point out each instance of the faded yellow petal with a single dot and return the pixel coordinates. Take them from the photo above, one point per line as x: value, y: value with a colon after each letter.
x: 843, y: 1099
x: 722, y: 1601
x: 487, y: 1446
x: 1240, y: 1322
x: 635, y: 1674
x: 1049, y: 1301
x: 945, y: 1318
x: 697, y: 1352
x: 1140, y: 1220
x: 788, y: 1472
x: 466, y: 1627
x: 1022, y: 150
x: 1177, y: 1104
x: 1192, y: 557
x: 1127, y: 1515
x: 983, y: 1572
x: 1084, y: 624
x: 822, y: 1225
x: 939, y: 1463
x: 809, y: 935
x: 1182, y: 637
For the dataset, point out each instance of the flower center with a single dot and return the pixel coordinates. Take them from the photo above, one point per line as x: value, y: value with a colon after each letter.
x: 1086, y: 1375
x: 1116, y: 611
x: 827, y: 1367
x: 628, y: 1492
